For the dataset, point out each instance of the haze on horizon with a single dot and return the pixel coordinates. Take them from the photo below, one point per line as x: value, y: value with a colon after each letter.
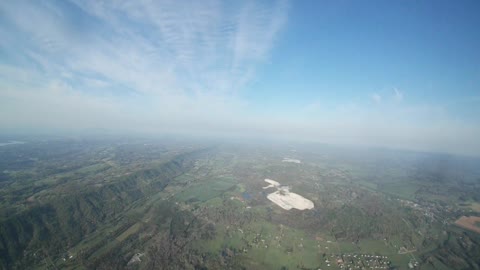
x: 398, y: 74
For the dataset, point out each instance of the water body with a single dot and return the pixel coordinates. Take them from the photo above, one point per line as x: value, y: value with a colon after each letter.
x: 246, y: 196
x: 10, y: 142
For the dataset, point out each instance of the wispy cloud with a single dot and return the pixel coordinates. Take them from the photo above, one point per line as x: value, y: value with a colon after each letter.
x: 198, y: 46
x: 398, y: 96
x: 159, y: 62
x: 156, y: 66
x: 376, y: 98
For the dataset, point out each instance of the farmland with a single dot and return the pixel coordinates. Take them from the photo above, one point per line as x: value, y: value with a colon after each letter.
x: 146, y: 204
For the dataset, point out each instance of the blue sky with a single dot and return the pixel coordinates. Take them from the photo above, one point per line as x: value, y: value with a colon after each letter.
x: 402, y: 74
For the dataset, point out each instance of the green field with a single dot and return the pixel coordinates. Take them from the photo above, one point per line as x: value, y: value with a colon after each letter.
x: 203, y: 207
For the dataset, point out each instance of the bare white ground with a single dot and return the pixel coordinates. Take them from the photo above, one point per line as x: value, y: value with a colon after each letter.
x: 286, y: 199
x: 272, y: 183
x: 291, y: 160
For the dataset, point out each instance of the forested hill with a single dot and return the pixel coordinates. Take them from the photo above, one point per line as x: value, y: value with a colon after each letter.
x: 60, y: 215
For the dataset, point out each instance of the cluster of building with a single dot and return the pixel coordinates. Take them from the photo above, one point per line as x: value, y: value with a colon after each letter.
x: 428, y: 211
x: 358, y: 261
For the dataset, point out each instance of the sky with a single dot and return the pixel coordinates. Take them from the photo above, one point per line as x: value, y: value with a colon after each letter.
x: 400, y: 74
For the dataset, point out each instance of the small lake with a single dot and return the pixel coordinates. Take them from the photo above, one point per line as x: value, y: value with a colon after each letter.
x: 246, y: 196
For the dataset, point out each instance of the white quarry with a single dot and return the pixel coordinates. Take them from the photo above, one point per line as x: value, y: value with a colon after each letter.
x: 286, y: 199
x: 291, y: 160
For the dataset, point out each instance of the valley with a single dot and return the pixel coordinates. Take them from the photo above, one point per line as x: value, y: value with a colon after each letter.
x: 149, y: 204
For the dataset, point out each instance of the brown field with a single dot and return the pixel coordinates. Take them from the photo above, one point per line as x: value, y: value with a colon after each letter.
x: 469, y: 223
